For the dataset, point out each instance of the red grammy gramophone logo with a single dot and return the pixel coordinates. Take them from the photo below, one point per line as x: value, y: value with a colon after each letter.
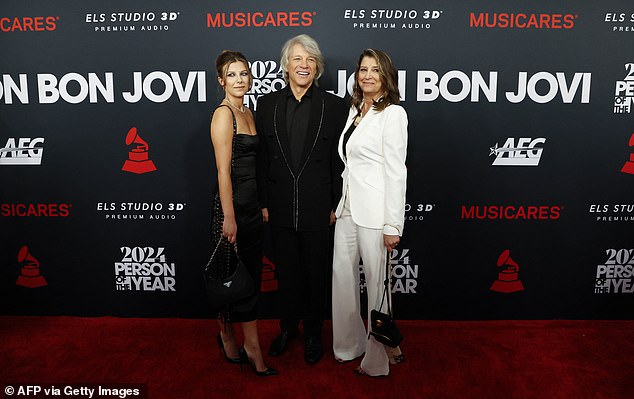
x: 30, y: 276
x: 508, y: 280
x: 628, y: 167
x: 138, y: 157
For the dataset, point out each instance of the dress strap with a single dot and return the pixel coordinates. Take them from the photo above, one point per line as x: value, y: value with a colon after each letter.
x: 235, y: 125
x: 233, y: 144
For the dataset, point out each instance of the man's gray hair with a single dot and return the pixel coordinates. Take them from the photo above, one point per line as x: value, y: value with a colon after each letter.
x: 311, y: 47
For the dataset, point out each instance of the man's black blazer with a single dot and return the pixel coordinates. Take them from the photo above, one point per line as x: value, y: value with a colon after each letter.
x: 300, y: 199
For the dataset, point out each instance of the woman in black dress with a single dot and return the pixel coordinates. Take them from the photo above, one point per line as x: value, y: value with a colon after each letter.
x: 237, y: 214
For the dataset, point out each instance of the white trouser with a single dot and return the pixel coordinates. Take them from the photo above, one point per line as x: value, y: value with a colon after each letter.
x: 350, y: 338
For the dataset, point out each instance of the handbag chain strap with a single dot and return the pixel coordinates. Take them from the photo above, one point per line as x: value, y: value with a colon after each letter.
x: 387, y: 290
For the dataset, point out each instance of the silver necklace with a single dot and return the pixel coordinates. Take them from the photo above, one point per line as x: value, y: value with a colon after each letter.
x: 241, y: 109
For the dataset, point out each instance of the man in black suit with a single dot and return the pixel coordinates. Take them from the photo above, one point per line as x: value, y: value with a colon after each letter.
x: 300, y: 185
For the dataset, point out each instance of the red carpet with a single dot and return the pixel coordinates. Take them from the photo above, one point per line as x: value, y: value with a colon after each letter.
x: 178, y: 359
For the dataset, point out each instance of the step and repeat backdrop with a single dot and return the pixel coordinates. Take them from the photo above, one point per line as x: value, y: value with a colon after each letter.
x: 520, y: 199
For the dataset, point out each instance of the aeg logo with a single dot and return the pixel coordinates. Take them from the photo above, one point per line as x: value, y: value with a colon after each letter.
x: 524, y: 154
x: 25, y: 152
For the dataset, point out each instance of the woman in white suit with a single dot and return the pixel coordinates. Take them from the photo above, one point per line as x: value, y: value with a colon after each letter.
x: 371, y: 212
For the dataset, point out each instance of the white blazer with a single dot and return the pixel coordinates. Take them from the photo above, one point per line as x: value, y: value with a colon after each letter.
x: 375, y: 176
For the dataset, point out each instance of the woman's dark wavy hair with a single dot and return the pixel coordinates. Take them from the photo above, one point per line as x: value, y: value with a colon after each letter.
x: 228, y: 57
x: 389, y: 81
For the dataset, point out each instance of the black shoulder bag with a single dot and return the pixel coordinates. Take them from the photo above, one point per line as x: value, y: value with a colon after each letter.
x: 227, y: 279
x: 382, y: 326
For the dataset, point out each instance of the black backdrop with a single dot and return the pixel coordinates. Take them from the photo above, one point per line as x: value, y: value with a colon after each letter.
x: 74, y: 222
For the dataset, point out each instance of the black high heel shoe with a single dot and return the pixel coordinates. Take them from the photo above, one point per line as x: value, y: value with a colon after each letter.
x: 244, y: 359
x: 221, y: 346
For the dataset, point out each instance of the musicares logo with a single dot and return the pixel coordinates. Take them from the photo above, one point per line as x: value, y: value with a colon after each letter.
x: 28, y: 24
x: 521, y: 21
x: 35, y: 210
x: 259, y: 19
x: 511, y: 212
x: 138, y: 157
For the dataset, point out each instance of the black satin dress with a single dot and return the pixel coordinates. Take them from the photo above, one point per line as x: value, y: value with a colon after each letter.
x: 248, y: 218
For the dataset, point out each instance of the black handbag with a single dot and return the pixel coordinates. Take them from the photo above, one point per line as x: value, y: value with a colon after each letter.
x: 227, y: 280
x: 382, y: 325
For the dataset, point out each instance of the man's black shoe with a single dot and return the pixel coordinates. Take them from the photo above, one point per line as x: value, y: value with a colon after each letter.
x: 313, y: 349
x: 280, y: 344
